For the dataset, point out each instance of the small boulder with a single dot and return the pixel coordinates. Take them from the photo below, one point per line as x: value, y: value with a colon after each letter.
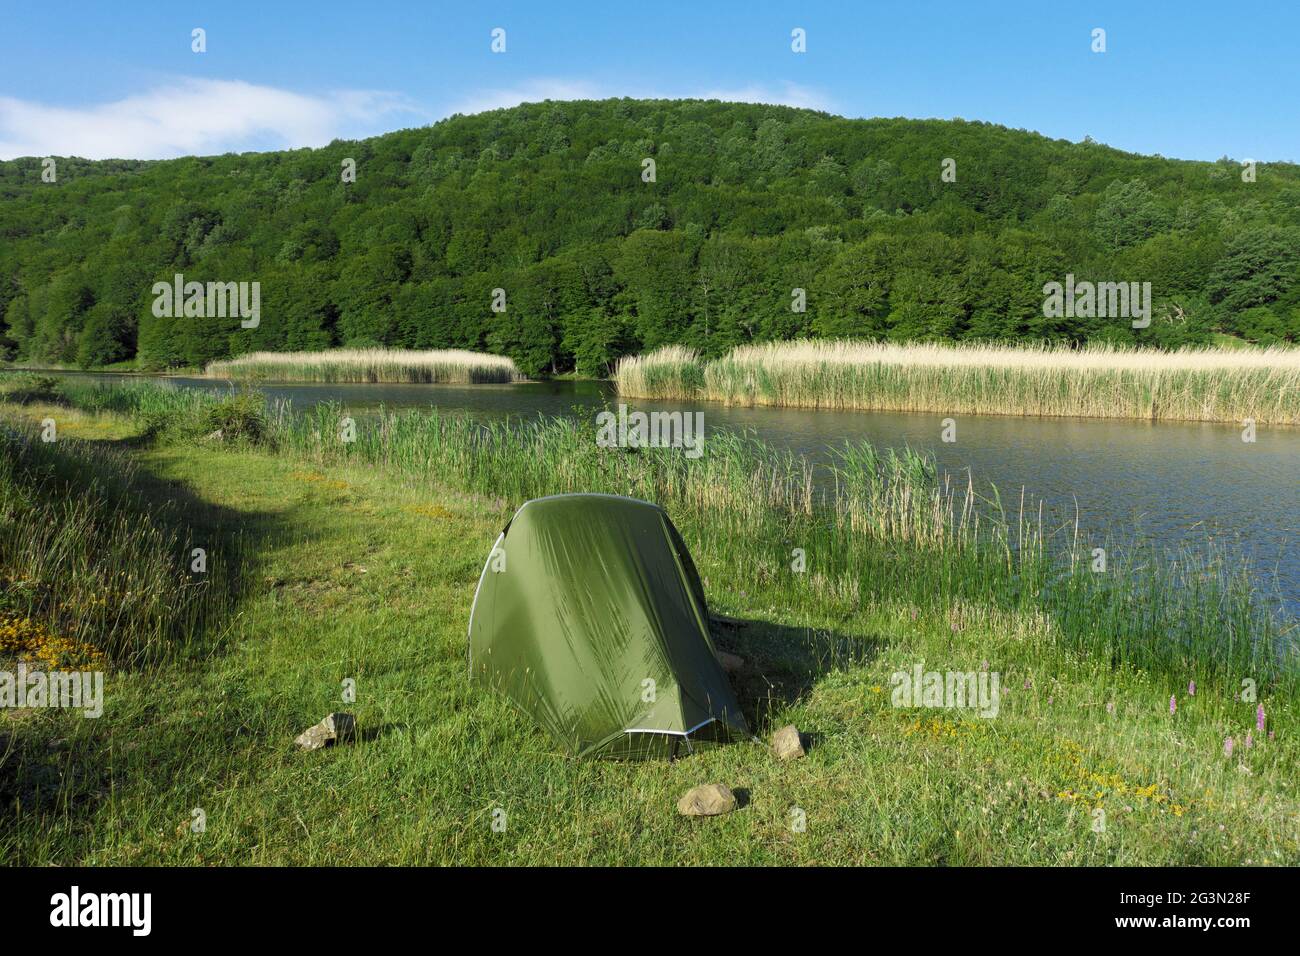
x: 787, y: 744
x: 731, y: 663
x: 709, y: 800
x: 335, y: 728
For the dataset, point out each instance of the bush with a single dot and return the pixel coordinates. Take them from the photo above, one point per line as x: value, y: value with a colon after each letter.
x: 241, y: 417
x: 28, y: 389
x: 168, y: 413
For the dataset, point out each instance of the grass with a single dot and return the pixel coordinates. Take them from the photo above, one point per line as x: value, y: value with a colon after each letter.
x: 27, y: 388
x: 361, y: 560
x: 1217, y: 384
x: 87, y: 574
x: 442, y: 366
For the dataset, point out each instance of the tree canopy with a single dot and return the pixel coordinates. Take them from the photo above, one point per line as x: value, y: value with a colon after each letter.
x: 553, y: 204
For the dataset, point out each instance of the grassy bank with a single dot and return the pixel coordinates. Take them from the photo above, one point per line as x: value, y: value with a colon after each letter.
x: 444, y: 366
x: 91, y: 570
x: 360, y: 562
x: 1188, y: 385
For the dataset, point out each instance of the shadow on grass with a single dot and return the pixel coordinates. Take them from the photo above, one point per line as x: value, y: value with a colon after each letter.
x: 783, y: 663
x: 233, y: 540
x: 48, y: 765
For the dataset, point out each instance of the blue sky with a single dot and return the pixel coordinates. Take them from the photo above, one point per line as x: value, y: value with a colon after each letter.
x: 1192, y: 80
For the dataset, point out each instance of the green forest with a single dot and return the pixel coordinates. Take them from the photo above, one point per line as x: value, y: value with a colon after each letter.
x: 550, y: 202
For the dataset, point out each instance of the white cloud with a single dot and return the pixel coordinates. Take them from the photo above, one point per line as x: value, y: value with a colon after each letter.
x: 195, y: 117
x: 206, y: 117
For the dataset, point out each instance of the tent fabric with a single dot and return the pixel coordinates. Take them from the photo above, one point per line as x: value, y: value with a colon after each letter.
x: 590, y: 617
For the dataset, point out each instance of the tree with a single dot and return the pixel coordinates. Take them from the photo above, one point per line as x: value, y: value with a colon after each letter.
x: 106, y: 337
x: 1258, y: 267
x: 1128, y: 213
x: 546, y: 201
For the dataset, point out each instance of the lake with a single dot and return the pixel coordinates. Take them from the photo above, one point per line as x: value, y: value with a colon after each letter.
x: 1174, y: 483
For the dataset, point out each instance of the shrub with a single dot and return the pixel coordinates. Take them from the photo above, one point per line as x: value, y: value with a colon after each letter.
x: 241, y: 417
x: 28, y: 389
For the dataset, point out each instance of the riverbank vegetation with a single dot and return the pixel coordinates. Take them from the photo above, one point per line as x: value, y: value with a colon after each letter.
x: 439, y: 366
x: 360, y: 560
x: 529, y: 232
x: 1215, y: 385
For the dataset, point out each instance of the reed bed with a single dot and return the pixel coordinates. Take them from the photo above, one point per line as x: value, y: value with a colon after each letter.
x: 670, y: 372
x: 441, y: 366
x: 1225, y: 385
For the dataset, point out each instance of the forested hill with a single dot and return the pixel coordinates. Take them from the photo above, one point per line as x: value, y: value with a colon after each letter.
x: 548, y: 203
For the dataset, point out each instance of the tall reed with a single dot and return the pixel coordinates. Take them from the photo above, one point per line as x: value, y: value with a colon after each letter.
x: 670, y: 372
x: 1096, y: 382
x: 449, y: 366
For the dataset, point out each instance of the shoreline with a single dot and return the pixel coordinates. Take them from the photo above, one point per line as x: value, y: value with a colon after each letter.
x: 950, y: 410
x: 397, y: 538
x: 618, y: 395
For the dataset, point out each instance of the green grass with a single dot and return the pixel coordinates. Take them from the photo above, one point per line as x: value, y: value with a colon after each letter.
x: 88, y: 560
x: 360, y: 561
x: 26, y: 388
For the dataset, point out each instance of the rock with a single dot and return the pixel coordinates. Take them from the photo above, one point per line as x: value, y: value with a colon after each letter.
x: 708, y: 800
x: 787, y: 744
x: 336, y: 728
x: 731, y: 663
x: 217, y: 435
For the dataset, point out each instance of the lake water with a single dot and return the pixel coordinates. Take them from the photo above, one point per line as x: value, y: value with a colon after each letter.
x: 1176, y: 483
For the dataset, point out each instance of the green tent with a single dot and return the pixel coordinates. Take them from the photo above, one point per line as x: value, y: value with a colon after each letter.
x: 590, y: 617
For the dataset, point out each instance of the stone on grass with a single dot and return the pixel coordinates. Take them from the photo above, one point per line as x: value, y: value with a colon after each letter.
x: 786, y: 743
x: 731, y: 663
x: 708, y: 800
x: 335, y: 728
